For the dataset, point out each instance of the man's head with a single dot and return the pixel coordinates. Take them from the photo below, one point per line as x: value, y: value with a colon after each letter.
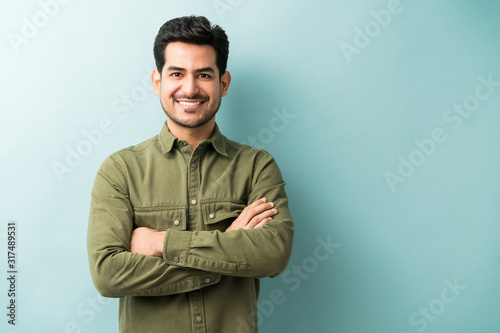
x: 191, y: 76
x: 195, y: 30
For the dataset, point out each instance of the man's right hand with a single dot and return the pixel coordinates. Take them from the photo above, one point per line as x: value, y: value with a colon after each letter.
x: 254, y: 216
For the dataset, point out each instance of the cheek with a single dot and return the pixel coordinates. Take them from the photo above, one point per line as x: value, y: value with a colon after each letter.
x: 214, y: 92
x: 166, y: 93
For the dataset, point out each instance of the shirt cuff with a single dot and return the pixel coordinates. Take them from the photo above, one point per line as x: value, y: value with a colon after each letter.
x: 176, y: 247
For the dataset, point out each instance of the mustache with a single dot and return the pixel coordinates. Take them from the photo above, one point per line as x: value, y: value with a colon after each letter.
x: 199, y: 97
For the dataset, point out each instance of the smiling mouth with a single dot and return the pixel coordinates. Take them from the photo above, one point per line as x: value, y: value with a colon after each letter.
x: 184, y: 103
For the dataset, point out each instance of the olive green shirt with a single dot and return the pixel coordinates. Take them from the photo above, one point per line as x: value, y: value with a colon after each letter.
x: 207, y: 279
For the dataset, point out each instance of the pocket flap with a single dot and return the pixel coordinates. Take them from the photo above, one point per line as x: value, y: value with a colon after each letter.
x: 161, y: 218
x: 217, y: 211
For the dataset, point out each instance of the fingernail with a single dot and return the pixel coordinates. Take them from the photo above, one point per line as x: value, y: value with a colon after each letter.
x: 263, y: 199
x: 275, y: 211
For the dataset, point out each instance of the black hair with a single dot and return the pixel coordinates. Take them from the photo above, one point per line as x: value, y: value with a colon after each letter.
x: 192, y: 30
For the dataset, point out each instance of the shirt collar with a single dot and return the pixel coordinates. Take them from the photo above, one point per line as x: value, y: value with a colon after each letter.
x: 167, y: 140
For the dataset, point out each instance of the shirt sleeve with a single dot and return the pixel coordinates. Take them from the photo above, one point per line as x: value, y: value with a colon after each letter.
x: 257, y: 253
x: 115, y: 271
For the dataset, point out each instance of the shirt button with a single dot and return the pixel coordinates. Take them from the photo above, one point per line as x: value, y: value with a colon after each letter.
x: 198, y: 319
x: 176, y: 259
x: 193, y: 201
x: 207, y: 280
x: 211, y: 216
x: 176, y: 222
x: 194, y: 165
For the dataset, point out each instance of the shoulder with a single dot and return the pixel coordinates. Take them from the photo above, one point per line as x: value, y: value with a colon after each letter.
x: 151, y: 143
x: 133, y: 154
x: 233, y: 147
x: 259, y: 160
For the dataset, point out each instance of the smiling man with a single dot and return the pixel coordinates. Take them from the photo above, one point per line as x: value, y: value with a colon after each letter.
x: 184, y: 225
x: 190, y: 89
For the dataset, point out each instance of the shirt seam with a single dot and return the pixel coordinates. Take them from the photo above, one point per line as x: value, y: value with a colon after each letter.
x: 123, y: 174
x: 261, y: 153
x: 137, y: 149
x: 236, y: 201
x: 158, y: 208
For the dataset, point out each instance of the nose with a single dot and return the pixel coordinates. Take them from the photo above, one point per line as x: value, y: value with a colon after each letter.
x: 190, y: 87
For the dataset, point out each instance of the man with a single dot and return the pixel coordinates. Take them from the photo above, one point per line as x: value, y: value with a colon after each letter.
x: 183, y: 225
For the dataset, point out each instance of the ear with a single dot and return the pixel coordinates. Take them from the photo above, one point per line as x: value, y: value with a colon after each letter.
x: 224, y: 83
x: 156, y: 79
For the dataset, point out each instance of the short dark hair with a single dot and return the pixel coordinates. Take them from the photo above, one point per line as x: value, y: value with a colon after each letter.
x: 192, y: 30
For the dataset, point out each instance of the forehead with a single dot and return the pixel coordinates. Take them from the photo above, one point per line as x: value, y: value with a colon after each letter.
x: 190, y: 56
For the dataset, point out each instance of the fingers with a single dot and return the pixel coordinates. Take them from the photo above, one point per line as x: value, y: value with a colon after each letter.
x: 256, y: 208
x: 263, y: 222
x: 262, y: 218
x: 254, y: 215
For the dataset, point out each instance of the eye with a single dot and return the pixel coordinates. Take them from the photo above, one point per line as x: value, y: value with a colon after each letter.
x: 175, y: 74
x: 205, y: 76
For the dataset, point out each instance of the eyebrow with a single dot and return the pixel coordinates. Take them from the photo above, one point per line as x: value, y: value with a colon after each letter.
x: 200, y: 70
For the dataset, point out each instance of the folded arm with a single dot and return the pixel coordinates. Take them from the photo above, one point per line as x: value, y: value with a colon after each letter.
x: 253, y: 246
x: 150, y: 242
x: 114, y: 269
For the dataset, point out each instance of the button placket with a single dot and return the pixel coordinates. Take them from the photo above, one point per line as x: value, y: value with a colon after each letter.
x: 197, y: 310
x: 194, y: 181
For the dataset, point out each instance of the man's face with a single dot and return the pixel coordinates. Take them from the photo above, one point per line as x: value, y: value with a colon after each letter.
x: 189, y: 86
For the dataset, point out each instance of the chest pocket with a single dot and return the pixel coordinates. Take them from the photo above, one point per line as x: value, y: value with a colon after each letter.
x: 161, y: 218
x: 219, y: 214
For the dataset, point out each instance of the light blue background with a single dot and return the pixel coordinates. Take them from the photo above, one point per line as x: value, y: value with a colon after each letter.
x: 397, y: 249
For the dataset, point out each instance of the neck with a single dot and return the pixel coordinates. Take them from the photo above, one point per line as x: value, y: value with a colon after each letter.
x: 192, y: 135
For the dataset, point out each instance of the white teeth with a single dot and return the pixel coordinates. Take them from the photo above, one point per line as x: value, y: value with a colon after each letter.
x: 189, y: 103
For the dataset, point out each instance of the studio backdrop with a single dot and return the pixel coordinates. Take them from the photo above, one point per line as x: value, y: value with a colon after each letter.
x: 382, y: 114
